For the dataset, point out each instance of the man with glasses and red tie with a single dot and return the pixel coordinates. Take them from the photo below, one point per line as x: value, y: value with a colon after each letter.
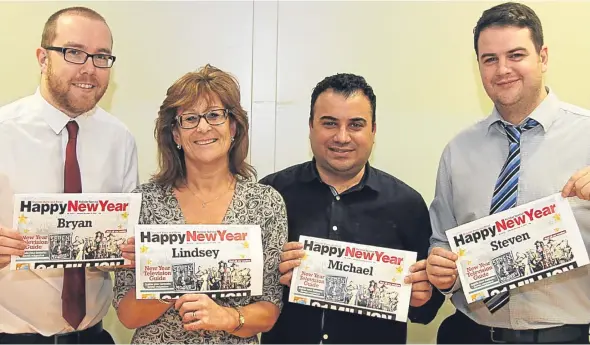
x: 59, y: 141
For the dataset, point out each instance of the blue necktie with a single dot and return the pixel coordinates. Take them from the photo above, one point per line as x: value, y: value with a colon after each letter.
x: 506, y: 192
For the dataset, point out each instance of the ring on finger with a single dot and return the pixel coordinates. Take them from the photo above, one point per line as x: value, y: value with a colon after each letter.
x: 194, y: 315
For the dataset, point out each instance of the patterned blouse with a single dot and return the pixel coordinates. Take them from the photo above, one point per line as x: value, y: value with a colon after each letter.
x: 252, y: 203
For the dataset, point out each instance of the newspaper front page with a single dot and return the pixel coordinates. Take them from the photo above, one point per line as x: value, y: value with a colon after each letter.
x: 73, y: 230
x: 216, y: 260
x: 516, y: 247
x: 353, y: 278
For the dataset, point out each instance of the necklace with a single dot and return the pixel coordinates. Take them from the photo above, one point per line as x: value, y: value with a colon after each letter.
x: 203, y: 202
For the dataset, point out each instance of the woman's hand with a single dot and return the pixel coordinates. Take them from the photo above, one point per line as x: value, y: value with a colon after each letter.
x: 128, y: 252
x: 200, y: 312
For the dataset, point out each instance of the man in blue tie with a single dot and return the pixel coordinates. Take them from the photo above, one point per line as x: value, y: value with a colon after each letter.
x: 531, y: 146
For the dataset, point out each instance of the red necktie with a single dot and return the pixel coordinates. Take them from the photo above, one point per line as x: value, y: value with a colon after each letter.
x: 74, y: 289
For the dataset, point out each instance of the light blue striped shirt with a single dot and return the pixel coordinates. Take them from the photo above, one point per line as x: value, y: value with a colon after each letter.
x: 550, y: 154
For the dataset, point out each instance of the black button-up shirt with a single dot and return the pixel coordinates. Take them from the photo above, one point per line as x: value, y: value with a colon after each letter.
x: 380, y: 211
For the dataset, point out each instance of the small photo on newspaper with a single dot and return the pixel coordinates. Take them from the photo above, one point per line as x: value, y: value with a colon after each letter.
x: 516, y: 247
x: 73, y: 230
x: 353, y: 278
x: 221, y: 261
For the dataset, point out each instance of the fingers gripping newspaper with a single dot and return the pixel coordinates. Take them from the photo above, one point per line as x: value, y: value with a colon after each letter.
x: 74, y: 230
x: 217, y: 260
x: 353, y: 278
x: 519, y: 246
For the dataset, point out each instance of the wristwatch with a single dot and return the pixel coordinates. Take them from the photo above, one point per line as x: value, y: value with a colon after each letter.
x: 241, y: 320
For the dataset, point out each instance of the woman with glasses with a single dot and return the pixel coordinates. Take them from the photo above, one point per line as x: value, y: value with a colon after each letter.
x: 203, y: 178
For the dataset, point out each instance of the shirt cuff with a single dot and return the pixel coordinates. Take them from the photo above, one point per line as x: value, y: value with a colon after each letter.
x: 452, y: 289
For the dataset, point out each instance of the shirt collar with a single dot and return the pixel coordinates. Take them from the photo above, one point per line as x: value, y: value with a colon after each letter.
x: 55, y: 118
x: 546, y: 112
x: 370, y: 179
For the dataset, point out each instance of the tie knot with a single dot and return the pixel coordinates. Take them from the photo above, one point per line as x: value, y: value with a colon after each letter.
x: 72, y: 128
x: 514, y: 132
x: 529, y: 124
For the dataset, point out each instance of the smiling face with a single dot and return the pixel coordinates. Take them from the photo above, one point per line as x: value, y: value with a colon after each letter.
x: 510, y: 67
x: 205, y: 143
x: 342, y: 133
x: 74, y: 88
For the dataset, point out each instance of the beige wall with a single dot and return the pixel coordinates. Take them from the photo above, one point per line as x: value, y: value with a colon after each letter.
x: 418, y: 56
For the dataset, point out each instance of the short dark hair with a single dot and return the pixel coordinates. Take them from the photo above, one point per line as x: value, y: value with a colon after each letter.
x: 345, y: 84
x: 49, y: 29
x: 510, y: 14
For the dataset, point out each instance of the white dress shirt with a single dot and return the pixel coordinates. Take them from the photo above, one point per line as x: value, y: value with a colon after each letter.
x: 550, y: 154
x: 33, y: 141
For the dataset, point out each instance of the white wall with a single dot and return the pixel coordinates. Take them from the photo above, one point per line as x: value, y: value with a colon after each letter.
x: 418, y: 56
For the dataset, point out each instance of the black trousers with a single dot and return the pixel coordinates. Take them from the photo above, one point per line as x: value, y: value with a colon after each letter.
x: 460, y: 329
x: 91, y: 336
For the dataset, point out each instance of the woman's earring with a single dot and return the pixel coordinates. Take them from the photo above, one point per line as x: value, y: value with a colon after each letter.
x: 232, y: 139
x: 178, y: 146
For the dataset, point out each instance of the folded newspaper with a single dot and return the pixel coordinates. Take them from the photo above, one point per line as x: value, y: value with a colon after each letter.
x: 73, y: 230
x: 217, y: 260
x: 353, y: 278
x: 516, y: 247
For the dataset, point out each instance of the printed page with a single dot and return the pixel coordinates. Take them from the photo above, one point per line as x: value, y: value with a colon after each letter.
x: 217, y: 260
x: 519, y: 246
x: 74, y: 230
x: 353, y: 278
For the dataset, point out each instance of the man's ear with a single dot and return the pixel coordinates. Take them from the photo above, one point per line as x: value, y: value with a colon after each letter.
x: 42, y: 59
x: 544, y: 55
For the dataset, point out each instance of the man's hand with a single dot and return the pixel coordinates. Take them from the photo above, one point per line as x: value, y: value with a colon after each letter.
x: 290, y: 258
x: 578, y: 185
x: 11, y: 243
x: 441, y: 268
x: 421, y: 287
x: 128, y: 251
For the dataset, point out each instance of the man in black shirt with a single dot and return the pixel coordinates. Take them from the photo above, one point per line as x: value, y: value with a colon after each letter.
x: 339, y: 196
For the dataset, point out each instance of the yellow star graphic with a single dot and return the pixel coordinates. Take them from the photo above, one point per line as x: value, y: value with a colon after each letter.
x: 149, y: 262
x: 393, y: 280
x: 242, y: 256
x: 26, y: 231
x: 462, y: 252
x: 399, y: 269
x: 557, y: 217
x: 22, y: 219
x: 469, y: 262
x: 120, y: 226
x: 246, y: 244
x: 556, y: 229
x: 143, y: 249
x: 124, y: 215
x: 304, y: 257
x: 306, y: 268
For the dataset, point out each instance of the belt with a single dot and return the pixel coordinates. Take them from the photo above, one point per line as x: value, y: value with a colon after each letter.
x: 78, y: 337
x: 560, y: 334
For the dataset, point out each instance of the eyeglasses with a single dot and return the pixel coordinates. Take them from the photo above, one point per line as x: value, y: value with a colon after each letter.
x: 214, y: 117
x: 79, y: 57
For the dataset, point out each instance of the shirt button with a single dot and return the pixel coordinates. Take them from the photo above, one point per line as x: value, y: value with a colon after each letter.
x: 325, y: 337
x: 334, y: 228
x: 337, y: 197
